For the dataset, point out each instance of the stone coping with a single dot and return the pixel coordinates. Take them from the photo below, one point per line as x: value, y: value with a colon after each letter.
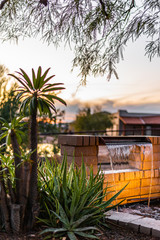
x: 78, y: 140
x: 119, y: 171
x: 148, y: 226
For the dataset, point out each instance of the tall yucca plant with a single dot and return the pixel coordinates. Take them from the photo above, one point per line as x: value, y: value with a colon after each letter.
x: 36, y: 95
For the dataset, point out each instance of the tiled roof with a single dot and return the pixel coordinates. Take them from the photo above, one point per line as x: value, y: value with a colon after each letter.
x: 124, y: 113
x: 141, y: 120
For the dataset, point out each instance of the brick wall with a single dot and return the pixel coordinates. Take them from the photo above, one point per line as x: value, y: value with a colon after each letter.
x: 80, y: 146
x: 143, y: 180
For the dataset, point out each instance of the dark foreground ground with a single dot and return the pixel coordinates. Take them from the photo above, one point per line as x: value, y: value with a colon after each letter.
x: 115, y: 233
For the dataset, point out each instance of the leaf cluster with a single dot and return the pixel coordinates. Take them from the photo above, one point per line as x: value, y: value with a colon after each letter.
x: 72, y: 203
x: 14, y: 126
x: 37, y: 93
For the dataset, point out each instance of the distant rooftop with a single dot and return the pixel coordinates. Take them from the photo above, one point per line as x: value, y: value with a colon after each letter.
x: 124, y: 113
x: 139, y: 118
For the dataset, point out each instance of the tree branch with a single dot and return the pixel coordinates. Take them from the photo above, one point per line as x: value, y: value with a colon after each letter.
x: 3, y: 3
x: 104, y: 10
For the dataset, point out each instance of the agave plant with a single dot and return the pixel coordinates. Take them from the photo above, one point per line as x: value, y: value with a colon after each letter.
x: 36, y: 94
x: 72, y: 204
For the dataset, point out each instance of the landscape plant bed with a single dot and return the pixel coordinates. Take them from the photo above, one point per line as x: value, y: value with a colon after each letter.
x: 114, y: 233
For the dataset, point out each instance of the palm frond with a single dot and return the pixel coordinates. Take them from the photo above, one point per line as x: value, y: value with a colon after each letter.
x: 25, y: 76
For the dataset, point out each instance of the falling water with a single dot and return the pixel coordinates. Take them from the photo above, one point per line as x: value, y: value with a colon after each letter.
x: 149, y: 152
x: 120, y: 157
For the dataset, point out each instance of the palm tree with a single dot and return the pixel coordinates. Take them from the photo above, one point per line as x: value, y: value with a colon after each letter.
x: 36, y: 95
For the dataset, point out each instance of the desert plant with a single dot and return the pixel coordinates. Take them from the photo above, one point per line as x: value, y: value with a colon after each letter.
x: 13, y: 135
x: 36, y: 95
x: 72, y: 203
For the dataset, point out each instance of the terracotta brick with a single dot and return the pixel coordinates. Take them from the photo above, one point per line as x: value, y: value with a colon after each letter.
x: 131, y: 185
x: 156, y: 173
x: 146, y: 190
x: 69, y: 159
x: 156, y: 156
x: 89, y: 161
x: 108, y: 178
x: 127, y: 193
x: 97, y: 141
x: 92, y: 140
x: 117, y: 177
x: 62, y: 139
x: 109, y: 195
x: 86, y: 140
x: 122, y: 176
x: 138, y: 174
x: 75, y: 140
x: 155, y: 140
x: 129, y: 176
x: 156, y: 148
x: 79, y: 151
x: 156, y: 164
x: 70, y: 140
x: 134, y: 184
x: 147, y: 181
x: 153, y: 195
x: 117, y: 187
x: 148, y: 174
x: 112, y: 177
x: 133, y: 199
x: 95, y: 169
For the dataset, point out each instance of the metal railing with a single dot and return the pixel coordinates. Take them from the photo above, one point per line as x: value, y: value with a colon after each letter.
x: 109, y: 132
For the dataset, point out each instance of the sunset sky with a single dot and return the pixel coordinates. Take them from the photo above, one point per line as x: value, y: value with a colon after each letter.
x: 137, y: 90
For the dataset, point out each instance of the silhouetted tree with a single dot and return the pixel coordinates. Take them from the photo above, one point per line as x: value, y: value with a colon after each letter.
x: 86, y: 121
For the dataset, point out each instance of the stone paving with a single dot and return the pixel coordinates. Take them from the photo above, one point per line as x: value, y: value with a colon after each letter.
x: 137, y: 223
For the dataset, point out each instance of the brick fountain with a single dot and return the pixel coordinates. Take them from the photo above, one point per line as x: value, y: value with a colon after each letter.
x: 138, y: 162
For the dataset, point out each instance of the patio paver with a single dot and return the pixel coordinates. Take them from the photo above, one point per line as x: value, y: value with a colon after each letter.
x: 137, y: 223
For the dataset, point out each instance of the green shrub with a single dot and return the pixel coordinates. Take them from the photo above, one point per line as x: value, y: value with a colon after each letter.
x: 72, y: 203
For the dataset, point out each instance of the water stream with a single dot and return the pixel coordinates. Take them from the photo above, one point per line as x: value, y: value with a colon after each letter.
x: 115, y: 158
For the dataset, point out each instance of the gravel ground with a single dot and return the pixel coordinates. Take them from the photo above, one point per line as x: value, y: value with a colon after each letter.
x: 120, y: 233
x: 142, y: 209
